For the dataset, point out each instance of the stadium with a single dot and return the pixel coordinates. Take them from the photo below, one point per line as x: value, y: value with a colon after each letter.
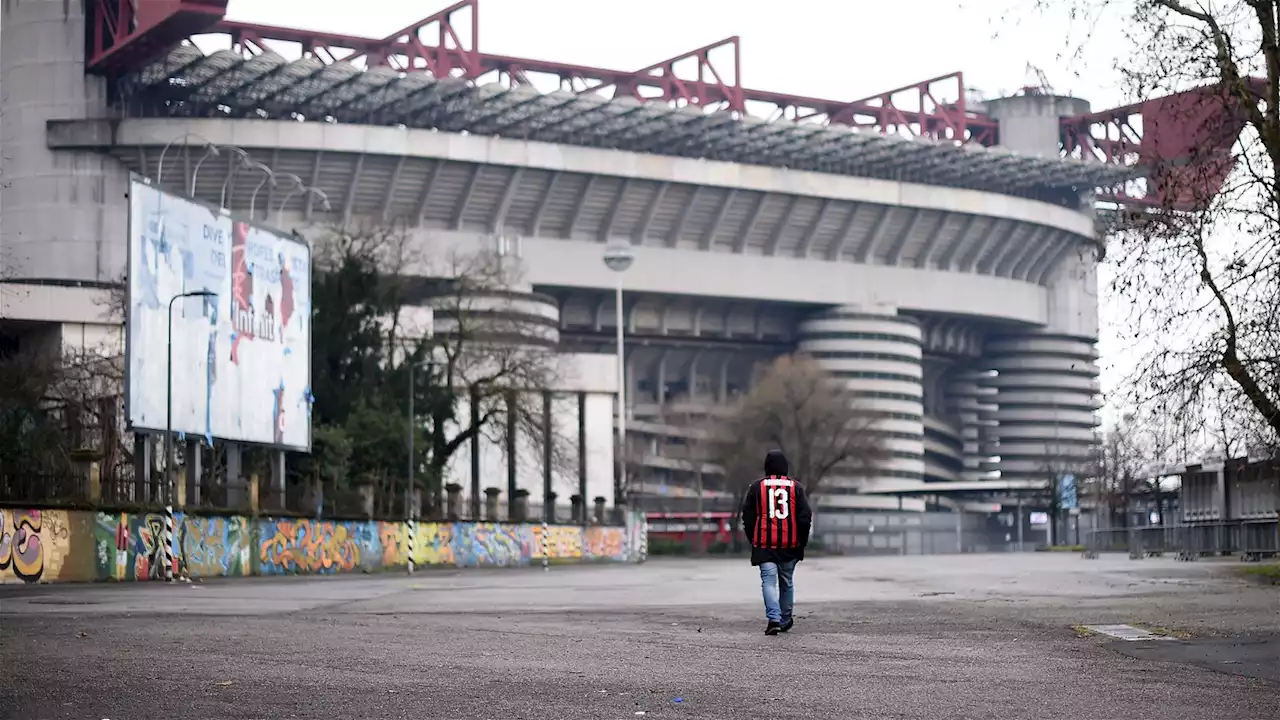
x: 935, y: 251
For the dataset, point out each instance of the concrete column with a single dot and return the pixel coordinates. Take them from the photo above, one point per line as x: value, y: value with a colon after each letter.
x: 491, y: 504
x: 1029, y: 123
x: 520, y: 506
x: 877, y: 353
x: 277, y: 478
x: 237, y: 495
x: 454, y: 500
x: 194, y: 455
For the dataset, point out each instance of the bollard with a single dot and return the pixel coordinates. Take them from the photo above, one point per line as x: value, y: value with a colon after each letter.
x: 412, y: 537
x: 168, y: 543
x: 644, y: 538
x: 546, y: 549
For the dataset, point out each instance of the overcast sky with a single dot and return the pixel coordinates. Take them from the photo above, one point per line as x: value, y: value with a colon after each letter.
x: 836, y: 49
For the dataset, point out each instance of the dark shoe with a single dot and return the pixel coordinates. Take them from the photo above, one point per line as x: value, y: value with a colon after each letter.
x: 772, y: 628
x: 787, y: 625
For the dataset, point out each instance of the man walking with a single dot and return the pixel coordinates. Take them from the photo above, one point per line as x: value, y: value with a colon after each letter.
x: 777, y: 518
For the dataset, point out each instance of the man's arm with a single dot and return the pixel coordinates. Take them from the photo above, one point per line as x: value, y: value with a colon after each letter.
x: 804, y: 515
x: 750, y: 510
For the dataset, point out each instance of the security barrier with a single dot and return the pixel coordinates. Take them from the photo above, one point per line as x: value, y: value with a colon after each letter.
x: 1252, y: 540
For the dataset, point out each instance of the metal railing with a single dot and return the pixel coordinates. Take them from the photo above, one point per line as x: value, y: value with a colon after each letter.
x: 1252, y: 540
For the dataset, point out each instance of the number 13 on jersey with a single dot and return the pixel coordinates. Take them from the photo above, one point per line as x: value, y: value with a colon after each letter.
x: 779, y: 503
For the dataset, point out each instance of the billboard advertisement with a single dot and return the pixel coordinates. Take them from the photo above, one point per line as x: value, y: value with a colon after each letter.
x: 241, y: 356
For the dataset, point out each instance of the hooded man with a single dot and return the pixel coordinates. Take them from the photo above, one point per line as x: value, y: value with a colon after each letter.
x: 776, y: 518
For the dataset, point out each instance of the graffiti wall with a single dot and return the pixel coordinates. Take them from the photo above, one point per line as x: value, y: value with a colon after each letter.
x: 40, y: 545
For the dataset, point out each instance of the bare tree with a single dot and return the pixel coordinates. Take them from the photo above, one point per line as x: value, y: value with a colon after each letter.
x: 496, y: 351
x: 1118, y: 470
x: 795, y: 406
x: 1201, y: 266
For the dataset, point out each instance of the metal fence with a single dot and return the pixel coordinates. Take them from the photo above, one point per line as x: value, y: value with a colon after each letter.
x: 1252, y: 540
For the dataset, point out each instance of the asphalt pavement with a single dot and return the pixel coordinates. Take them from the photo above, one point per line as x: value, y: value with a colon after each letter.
x: 974, y: 636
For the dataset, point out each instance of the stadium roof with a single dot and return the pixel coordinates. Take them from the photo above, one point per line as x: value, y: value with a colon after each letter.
x: 187, y: 82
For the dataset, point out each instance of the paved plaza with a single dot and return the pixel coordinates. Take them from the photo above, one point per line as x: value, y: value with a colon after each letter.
x: 973, y: 636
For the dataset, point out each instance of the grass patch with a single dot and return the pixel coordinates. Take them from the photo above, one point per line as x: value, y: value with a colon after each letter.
x: 1267, y: 574
x: 1083, y: 632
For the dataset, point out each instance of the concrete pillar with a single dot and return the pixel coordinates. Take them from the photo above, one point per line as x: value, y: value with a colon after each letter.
x: 277, y: 478
x: 491, y: 504
x: 63, y: 214
x: 237, y: 496
x: 1029, y: 123
x: 253, y: 494
x: 414, y: 510
x: 193, y: 470
x: 520, y: 506
x: 95, y: 482
x: 366, y: 496
x: 877, y: 353
x: 453, y: 510
x: 549, y: 508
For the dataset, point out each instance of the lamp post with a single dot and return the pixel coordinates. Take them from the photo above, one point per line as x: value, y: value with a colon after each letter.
x: 619, y: 258
x: 269, y: 176
x: 168, y: 413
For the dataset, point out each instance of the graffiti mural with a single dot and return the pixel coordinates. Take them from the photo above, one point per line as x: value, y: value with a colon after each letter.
x: 563, y: 542
x: 214, y: 546
x: 492, y: 544
x: 433, y: 544
x: 317, y: 546
x: 606, y: 543
x: 36, y: 546
x: 394, y: 537
x: 21, y: 551
x: 42, y: 545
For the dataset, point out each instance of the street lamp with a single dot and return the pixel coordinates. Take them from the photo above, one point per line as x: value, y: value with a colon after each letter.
x: 168, y: 415
x: 269, y: 176
x: 242, y: 160
x: 618, y: 258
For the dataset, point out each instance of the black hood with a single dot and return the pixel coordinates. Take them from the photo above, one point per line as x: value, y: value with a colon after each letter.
x: 775, y: 463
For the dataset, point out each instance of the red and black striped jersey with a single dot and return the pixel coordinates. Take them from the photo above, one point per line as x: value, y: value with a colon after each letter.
x: 776, y: 514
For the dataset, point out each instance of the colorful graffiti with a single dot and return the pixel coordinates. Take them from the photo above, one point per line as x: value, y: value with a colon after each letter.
x: 562, y: 543
x: 606, y: 543
x: 41, y: 545
x: 492, y: 544
x: 312, y: 546
x: 214, y: 546
x: 130, y: 547
x: 433, y: 544
x: 20, y: 548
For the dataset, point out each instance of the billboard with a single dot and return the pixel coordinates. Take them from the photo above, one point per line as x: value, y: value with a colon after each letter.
x: 241, y: 358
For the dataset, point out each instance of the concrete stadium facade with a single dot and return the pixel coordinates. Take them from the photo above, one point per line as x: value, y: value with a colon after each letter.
x: 957, y: 293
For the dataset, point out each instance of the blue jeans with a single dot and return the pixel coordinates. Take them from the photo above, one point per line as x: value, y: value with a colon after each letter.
x: 777, y: 581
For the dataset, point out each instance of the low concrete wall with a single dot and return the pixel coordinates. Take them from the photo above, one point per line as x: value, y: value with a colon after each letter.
x: 45, y: 545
